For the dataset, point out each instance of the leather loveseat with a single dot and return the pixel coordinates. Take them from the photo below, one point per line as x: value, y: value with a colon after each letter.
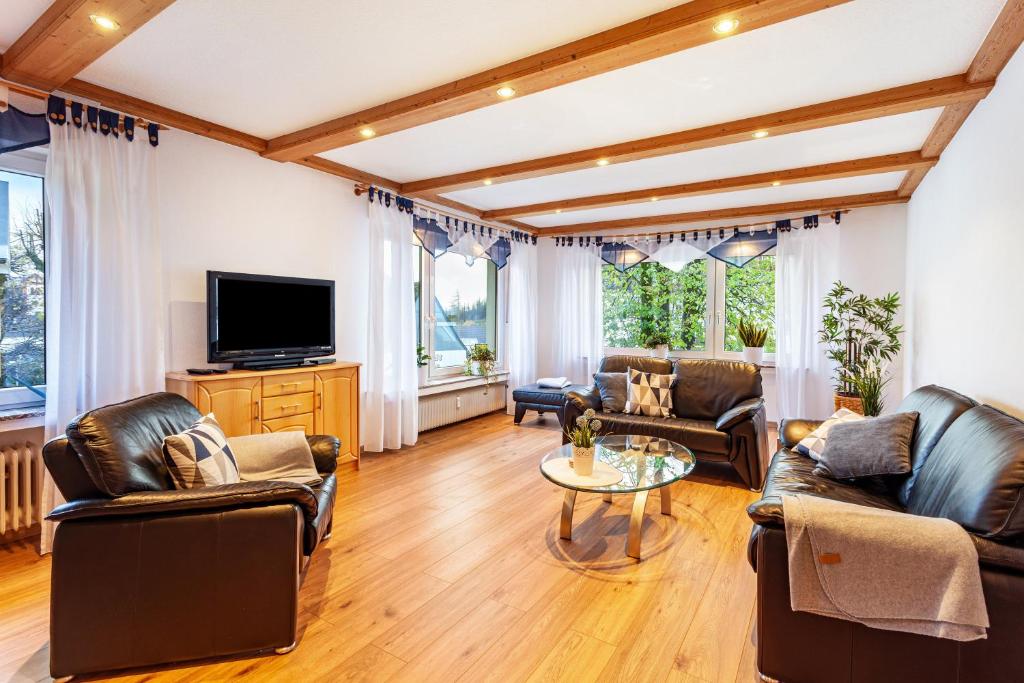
x: 144, y: 574
x: 718, y: 411
x: 968, y: 466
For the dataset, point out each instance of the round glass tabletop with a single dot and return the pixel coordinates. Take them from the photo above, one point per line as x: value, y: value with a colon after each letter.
x: 646, y: 462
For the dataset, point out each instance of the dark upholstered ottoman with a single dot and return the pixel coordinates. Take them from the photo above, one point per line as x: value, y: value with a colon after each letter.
x: 541, y: 399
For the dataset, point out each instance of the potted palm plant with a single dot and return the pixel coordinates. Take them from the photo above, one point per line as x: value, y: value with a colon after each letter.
x: 753, y: 337
x: 422, y: 360
x: 861, y: 337
x: 583, y: 437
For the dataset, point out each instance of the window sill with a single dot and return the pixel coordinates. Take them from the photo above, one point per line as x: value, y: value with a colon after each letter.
x: 22, y: 417
x: 440, y: 386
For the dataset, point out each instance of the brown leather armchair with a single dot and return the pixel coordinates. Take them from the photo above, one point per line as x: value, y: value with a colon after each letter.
x: 718, y: 411
x: 144, y: 574
x: 968, y: 466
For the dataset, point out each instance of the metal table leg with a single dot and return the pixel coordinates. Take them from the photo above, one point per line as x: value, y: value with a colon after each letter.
x: 636, y: 523
x: 568, y: 503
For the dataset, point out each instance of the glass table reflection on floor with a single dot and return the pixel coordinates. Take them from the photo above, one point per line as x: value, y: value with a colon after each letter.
x: 645, y: 463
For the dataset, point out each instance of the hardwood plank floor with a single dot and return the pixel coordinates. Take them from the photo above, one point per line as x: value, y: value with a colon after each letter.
x: 445, y: 564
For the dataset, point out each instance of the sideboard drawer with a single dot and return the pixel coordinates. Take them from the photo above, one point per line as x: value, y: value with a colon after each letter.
x: 285, y: 406
x: 296, y: 423
x: 281, y: 385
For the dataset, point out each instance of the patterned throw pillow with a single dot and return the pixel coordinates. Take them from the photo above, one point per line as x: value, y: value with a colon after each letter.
x: 200, y: 456
x: 813, y: 444
x: 649, y: 394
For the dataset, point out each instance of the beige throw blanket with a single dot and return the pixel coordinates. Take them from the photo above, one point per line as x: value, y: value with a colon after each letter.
x: 883, y: 569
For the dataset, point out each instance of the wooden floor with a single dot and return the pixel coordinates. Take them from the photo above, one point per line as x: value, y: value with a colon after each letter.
x: 445, y: 564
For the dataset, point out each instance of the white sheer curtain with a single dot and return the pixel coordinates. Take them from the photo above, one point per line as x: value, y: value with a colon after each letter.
x: 390, y: 417
x: 521, y: 325
x: 104, y: 290
x: 806, y: 265
x: 578, y: 339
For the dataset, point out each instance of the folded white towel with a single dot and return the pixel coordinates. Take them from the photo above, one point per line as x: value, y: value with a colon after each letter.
x: 553, y: 382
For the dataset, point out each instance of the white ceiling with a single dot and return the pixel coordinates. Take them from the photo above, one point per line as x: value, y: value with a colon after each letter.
x: 858, y: 47
x: 268, y: 67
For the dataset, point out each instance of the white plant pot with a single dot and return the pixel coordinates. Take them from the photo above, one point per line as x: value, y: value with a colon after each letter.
x: 583, y: 461
x: 753, y: 354
x: 660, y: 351
x: 423, y: 372
x: 474, y: 367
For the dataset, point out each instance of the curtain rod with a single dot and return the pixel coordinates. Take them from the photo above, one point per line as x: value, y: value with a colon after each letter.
x: 621, y: 236
x: 362, y: 189
x: 41, y: 95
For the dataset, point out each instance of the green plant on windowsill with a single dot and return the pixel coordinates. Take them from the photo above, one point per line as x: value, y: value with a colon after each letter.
x: 421, y: 356
x: 657, y: 338
x: 751, y: 334
x: 481, y: 360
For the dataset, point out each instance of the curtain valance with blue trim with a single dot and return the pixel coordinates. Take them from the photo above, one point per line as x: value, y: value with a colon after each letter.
x: 96, y: 120
x: 440, y: 234
x: 19, y: 130
x: 744, y: 247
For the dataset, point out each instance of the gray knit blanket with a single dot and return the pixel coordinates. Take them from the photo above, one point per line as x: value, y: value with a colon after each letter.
x: 884, y: 569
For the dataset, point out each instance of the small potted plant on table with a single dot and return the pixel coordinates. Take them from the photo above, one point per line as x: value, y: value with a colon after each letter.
x: 753, y: 337
x: 583, y: 437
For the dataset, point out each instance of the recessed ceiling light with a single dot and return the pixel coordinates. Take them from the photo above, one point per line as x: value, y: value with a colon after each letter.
x: 487, y: 181
x: 654, y: 199
x: 759, y: 134
x: 506, y: 91
x: 776, y: 183
x: 558, y: 211
x: 726, y: 26
x: 105, y: 23
x: 602, y: 162
x: 367, y: 132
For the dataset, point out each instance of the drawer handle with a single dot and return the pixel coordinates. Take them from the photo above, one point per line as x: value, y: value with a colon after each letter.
x: 293, y: 406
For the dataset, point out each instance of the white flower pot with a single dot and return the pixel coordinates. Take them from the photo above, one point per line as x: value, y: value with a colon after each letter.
x: 583, y: 460
x: 423, y: 371
x: 660, y: 351
x: 753, y: 354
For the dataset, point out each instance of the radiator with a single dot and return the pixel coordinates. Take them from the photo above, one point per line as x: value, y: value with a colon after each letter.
x: 21, y: 471
x: 446, y: 408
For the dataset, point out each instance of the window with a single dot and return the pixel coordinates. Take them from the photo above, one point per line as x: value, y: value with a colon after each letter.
x: 22, y: 281
x: 650, y: 297
x: 463, y: 311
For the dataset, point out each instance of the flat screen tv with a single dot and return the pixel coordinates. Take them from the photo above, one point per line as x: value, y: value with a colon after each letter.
x: 265, y: 320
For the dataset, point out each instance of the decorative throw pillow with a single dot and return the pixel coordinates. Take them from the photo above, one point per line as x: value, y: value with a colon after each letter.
x: 200, y: 456
x: 649, y: 394
x: 866, y: 448
x: 613, y: 389
x: 814, y: 443
x: 280, y: 456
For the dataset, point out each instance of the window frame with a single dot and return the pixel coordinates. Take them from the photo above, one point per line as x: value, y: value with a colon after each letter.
x: 32, y: 163
x: 427, y: 322
x: 714, y: 321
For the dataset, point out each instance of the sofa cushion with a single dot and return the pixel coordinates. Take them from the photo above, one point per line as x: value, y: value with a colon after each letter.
x: 614, y: 390
x: 937, y: 408
x: 875, y: 446
x: 706, y: 388
x: 659, y: 366
x: 649, y: 393
x: 813, y: 445
x: 975, y: 475
x: 121, y: 445
x: 697, y: 435
x: 793, y: 473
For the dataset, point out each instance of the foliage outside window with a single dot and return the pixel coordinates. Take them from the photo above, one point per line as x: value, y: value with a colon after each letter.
x: 22, y: 281
x: 650, y: 298
x: 750, y: 296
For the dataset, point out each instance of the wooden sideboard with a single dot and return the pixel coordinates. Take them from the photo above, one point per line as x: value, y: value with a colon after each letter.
x: 322, y: 399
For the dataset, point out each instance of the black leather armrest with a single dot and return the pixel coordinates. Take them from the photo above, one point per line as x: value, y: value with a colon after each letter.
x: 792, y: 432
x: 744, y: 410
x: 325, y: 452
x: 228, y: 496
x: 767, y: 512
x: 1001, y: 555
x: 584, y: 399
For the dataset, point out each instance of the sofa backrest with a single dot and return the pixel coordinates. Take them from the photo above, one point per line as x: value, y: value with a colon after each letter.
x: 937, y: 409
x: 706, y: 388
x: 660, y: 366
x: 975, y: 475
x: 121, y: 445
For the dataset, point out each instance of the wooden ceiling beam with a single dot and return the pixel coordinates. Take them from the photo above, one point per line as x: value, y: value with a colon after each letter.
x: 999, y: 46
x: 672, y: 30
x: 64, y: 40
x: 844, y: 169
x: 900, y: 100
x: 809, y: 205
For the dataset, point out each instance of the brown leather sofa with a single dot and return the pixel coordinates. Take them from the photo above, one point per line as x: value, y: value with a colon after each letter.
x: 718, y: 412
x: 144, y: 574
x: 968, y: 466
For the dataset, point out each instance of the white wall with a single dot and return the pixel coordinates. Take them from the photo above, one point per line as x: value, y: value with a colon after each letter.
x: 872, y: 255
x: 226, y: 208
x: 965, y: 243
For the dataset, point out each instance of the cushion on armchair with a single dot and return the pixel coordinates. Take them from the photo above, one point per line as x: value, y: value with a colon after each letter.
x: 200, y: 456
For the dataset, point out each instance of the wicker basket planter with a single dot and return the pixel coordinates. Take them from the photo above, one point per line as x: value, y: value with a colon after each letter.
x: 849, y: 402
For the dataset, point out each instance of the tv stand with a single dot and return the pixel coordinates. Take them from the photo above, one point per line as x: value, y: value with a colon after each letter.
x: 280, y: 364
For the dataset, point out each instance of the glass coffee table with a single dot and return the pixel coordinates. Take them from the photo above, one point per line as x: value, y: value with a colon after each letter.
x: 645, y: 462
